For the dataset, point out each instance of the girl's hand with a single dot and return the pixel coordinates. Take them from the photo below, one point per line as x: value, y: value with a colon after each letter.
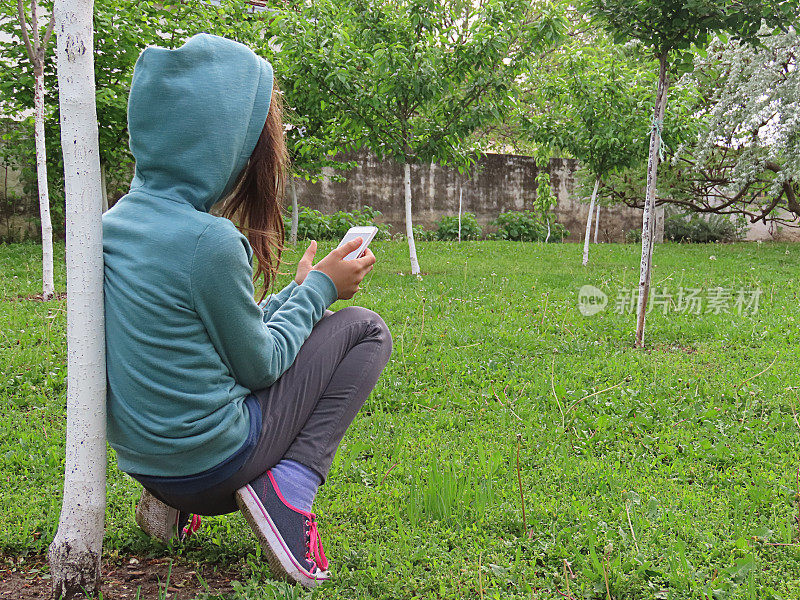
x: 346, y: 274
x: 304, y: 266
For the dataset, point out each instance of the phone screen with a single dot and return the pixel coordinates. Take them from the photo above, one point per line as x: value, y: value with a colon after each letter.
x: 365, y: 233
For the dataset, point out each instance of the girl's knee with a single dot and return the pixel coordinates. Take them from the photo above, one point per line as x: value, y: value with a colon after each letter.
x: 375, y: 327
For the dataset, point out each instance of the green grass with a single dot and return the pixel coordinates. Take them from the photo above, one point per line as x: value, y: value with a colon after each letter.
x: 676, y: 483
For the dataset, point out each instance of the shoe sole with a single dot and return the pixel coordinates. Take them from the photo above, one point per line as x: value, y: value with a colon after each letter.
x: 155, y: 521
x: 280, y: 560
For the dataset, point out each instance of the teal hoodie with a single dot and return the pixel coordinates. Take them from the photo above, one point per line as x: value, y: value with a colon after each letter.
x: 185, y: 340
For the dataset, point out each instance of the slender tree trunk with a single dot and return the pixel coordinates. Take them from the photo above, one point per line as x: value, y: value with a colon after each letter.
x: 588, y: 235
x: 295, y: 214
x: 648, y: 218
x: 460, y: 194
x: 547, y: 221
x: 76, y: 550
x: 104, y: 186
x: 412, y: 248
x: 596, y: 222
x: 41, y: 174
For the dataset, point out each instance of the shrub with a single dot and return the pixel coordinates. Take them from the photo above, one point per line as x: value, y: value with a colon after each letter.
x: 312, y: 224
x: 526, y: 226
x: 447, y: 228
x: 699, y: 230
x: 421, y: 234
x: 633, y: 236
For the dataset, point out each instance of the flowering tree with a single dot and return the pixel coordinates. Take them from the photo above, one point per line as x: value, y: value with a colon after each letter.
x: 669, y: 28
x: 746, y: 158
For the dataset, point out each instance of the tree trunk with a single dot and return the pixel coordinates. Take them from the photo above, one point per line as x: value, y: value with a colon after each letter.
x: 588, y: 235
x: 596, y: 222
x: 103, y: 186
x: 41, y: 174
x: 460, y: 194
x: 648, y: 218
x: 76, y: 550
x: 412, y: 248
x: 547, y: 221
x: 295, y: 214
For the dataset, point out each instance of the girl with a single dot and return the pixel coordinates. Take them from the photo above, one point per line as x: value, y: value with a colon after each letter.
x: 216, y: 401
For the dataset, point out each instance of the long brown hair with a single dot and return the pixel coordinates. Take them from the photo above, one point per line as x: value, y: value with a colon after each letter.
x: 256, y: 202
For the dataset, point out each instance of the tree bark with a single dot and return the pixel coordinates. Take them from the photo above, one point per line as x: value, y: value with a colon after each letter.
x: 76, y: 550
x: 36, y: 49
x: 596, y: 222
x: 412, y: 248
x: 460, y: 195
x: 48, y: 287
x: 104, y: 186
x: 587, y: 237
x: 295, y: 215
x: 648, y: 217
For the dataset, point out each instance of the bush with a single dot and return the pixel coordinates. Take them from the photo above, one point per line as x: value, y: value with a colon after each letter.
x: 633, y: 236
x: 699, y: 230
x: 526, y: 226
x: 421, y: 234
x: 447, y: 228
x: 314, y: 225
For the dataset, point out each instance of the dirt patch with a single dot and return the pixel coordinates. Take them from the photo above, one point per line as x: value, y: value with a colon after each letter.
x: 125, y: 578
x: 37, y: 297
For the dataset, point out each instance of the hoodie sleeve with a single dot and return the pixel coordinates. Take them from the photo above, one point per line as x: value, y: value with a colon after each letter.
x: 274, y: 301
x: 256, y: 352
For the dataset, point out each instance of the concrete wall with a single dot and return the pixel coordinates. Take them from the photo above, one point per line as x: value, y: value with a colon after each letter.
x: 502, y: 182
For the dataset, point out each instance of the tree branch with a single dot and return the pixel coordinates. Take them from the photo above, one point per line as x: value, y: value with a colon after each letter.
x: 24, y: 28
x: 48, y: 33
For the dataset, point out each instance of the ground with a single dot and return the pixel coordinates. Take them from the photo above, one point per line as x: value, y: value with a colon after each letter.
x: 514, y: 447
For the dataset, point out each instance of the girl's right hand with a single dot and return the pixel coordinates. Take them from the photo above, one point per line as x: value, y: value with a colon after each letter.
x: 346, y: 274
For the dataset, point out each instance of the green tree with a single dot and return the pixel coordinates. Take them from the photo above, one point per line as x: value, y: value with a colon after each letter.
x: 591, y: 105
x: 35, y: 41
x: 122, y: 29
x: 415, y: 80
x: 669, y: 29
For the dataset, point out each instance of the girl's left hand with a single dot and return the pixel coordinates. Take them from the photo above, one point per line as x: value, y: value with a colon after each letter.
x: 304, y: 266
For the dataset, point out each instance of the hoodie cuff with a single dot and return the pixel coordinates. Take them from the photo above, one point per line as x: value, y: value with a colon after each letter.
x: 323, y: 285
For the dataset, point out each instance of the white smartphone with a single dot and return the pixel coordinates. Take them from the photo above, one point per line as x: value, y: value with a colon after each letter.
x: 365, y: 233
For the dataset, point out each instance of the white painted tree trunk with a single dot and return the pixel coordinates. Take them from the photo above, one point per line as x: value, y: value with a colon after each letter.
x: 460, y: 195
x: 588, y: 235
x: 596, y: 222
x: 295, y: 215
x: 48, y: 287
x: 412, y: 248
x: 76, y: 550
x: 648, y: 218
x: 36, y: 47
x: 547, y: 220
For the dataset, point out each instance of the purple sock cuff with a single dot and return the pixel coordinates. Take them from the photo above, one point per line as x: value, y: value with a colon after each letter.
x: 297, y: 483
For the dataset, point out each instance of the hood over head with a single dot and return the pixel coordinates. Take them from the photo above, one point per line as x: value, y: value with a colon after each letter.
x: 194, y: 116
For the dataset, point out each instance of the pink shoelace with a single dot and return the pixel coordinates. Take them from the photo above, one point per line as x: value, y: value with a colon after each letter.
x: 192, y: 526
x: 315, y: 551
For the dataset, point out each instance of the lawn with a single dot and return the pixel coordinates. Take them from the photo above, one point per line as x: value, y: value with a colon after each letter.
x: 669, y: 472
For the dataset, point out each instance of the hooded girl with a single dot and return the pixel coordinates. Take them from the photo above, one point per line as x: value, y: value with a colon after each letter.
x: 217, y: 402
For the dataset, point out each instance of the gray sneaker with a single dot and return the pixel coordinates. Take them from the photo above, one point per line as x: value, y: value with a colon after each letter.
x: 164, y: 522
x: 288, y: 535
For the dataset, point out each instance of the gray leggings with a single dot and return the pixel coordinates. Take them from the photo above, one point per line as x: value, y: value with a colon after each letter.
x: 306, y: 412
